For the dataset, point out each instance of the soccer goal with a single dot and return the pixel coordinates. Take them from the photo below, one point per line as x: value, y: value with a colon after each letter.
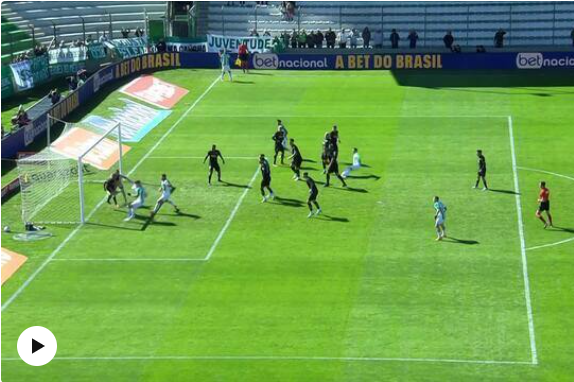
x: 53, y: 181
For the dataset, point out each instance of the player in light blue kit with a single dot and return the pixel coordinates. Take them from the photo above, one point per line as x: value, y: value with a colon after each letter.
x: 225, y: 67
x: 440, y: 217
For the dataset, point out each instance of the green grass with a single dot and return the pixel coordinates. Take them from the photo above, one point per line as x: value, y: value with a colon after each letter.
x: 366, y: 280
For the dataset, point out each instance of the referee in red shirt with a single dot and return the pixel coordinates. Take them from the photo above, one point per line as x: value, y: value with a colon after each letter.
x: 544, y: 200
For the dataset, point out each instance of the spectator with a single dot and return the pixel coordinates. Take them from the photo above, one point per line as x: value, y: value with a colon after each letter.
x: 285, y: 39
x: 342, y: 39
x: 254, y: 33
x: 139, y: 32
x: 366, y: 35
x: 499, y: 38
x: 413, y: 37
x: 448, y: 40
x: 103, y: 38
x: 89, y: 39
x: 353, y: 37
x: 125, y: 33
x: 161, y: 46
x: 294, y: 39
x: 330, y: 37
x: 311, y: 40
x: 290, y: 10
x: 394, y: 39
x: 319, y: 39
x: 22, y: 117
x: 302, y: 39
x: 54, y: 96
x: 266, y: 33
x: 72, y: 83
x: 379, y: 39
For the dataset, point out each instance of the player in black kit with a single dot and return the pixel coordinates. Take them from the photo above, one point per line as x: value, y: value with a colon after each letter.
x: 313, y: 193
x: 265, y: 178
x: 213, y: 154
x: 278, y: 138
x: 481, y: 170
x: 296, y: 159
x: 325, y: 151
x: 333, y: 166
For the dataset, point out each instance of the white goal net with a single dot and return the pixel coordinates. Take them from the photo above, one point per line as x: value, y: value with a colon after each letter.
x: 53, y: 181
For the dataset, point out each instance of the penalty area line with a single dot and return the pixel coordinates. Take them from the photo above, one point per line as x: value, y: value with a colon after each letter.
x: 197, y: 157
x: 78, y: 227
x: 523, y: 257
x: 126, y: 259
x: 285, y: 358
x: 550, y: 245
x: 231, y: 216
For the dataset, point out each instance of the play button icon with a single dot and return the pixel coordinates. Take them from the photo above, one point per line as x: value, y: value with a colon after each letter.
x: 37, y: 346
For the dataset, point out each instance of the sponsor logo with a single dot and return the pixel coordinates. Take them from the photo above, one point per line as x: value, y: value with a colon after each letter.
x: 136, y: 120
x: 265, y: 61
x: 273, y: 61
x: 529, y: 60
x: 77, y: 141
x: 538, y: 61
x: 10, y: 189
x: 102, y: 79
x: 155, y: 91
x: 11, y: 261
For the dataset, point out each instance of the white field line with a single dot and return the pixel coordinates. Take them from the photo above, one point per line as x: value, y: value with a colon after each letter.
x: 550, y: 245
x: 196, y: 157
x: 335, y: 117
x: 75, y: 231
x: 522, y: 246
x: 284, y: 358
x: 127, y: 259
x: 231, y: 216
x: 560, y: 176
x: 546, y: 172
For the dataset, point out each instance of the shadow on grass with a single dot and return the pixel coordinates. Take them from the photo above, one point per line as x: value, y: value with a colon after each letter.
x: 353, y: 189
x: 229, y: 184
x: 459, y: 241
x: 370, y: 176
x: 185, y: 215
x: 243, y: 82
x: 562, y: 229
x: 501, y: 80
x: 511, y: 192
x: 91, y: 224
x: 332, y: 218
x: 308, y: 169
x: 309, y: 160
x: 288, y: 202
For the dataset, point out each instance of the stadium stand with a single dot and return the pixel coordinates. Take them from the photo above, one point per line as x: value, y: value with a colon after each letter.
x: 66, y: 18
x: 527, y: 23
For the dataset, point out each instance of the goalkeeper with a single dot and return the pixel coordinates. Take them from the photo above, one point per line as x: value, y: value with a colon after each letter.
x: 166, y: 189
x: 114, y: 185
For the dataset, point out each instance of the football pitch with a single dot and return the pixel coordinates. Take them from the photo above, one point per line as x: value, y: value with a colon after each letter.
x: 234, y: 289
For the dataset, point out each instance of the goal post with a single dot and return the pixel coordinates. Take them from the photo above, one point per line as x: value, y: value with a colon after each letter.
x: 53, y: 180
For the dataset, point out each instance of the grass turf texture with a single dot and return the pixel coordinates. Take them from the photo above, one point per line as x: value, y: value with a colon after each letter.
x: 366, y: 280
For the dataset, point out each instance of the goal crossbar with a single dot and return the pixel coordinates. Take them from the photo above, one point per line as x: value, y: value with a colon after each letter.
x: 46, y: 175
